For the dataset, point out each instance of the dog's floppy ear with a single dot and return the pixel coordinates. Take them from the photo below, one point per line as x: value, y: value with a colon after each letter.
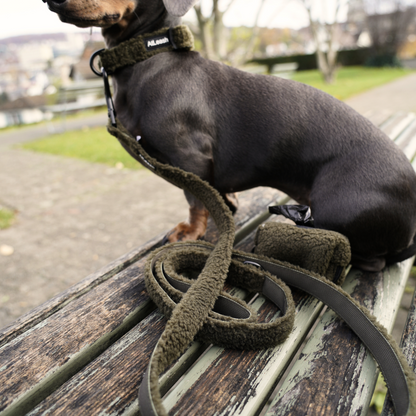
x: 178, y: 7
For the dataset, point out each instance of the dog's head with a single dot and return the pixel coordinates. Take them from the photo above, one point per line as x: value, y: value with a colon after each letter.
x: 106, y: 13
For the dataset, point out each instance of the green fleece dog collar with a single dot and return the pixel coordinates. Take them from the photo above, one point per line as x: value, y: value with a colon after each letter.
x: 143, y: 47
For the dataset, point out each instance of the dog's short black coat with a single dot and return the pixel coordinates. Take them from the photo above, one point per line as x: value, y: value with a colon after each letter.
x: 238, y: 130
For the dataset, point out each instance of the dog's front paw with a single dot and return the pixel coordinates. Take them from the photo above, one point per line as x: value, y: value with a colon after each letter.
x: 192, y: 229
x: 185, y: 231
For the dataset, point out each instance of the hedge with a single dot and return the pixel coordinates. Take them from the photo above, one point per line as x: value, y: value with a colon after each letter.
x: 347, y: 57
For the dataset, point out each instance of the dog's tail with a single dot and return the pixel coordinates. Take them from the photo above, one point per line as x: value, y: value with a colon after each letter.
x: 402, y: 255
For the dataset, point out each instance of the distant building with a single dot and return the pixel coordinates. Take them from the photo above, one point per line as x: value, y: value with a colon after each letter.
x: 34, y: 66
x: 81, y: 71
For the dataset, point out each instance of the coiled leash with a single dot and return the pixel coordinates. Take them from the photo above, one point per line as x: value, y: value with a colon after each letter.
x: 197, y: 308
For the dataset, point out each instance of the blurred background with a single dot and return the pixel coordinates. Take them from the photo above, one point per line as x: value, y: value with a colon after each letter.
x: 44, y: 71
x: 42, y: 58
x: 71, y: 200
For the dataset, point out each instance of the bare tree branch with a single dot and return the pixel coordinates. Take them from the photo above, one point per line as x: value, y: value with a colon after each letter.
x: 388, y: 28
x: 256, y: 29
x: 323, y: 33
x: 228, y: 6
x: 283, y: 4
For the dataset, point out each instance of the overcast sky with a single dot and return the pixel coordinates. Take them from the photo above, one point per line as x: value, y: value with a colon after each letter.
x: 32, y: 16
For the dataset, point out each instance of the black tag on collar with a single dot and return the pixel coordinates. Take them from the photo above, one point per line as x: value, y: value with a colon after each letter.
x: 157, y: 42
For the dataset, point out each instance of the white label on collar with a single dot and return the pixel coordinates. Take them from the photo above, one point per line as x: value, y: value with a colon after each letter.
x: 156, y: 42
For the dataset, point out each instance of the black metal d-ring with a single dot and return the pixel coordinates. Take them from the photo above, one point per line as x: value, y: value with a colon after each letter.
x: 93, y: 69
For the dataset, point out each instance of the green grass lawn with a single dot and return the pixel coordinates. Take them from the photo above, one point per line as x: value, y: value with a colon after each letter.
x: 56, y: 120
x: 93, y: 145
x: 96, y: 145
x: 351, y: 80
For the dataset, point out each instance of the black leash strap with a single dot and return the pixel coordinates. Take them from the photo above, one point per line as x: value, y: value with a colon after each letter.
x: 374, y: 336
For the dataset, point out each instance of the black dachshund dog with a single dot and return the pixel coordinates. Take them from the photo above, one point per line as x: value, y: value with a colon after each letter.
x: 238, y: 131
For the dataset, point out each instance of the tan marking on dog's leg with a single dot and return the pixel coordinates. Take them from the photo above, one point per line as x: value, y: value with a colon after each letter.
x: 192, y: 229
x: 232, y: 201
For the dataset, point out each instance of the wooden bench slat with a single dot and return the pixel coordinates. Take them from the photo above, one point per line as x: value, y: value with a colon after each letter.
x: 408, y: 345
x: 52, y: 306
x: 409, y: 146
x: 397, y: 123
x: 111, y: 381
x: 58, y: 347
x: 246, y: 378
x: 378, y: 117
x: 335, y: 374
x: 407, y: 134
x: 84, y: 327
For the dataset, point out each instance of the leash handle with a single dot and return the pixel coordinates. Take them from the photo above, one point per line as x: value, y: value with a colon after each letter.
x: 399, y: 377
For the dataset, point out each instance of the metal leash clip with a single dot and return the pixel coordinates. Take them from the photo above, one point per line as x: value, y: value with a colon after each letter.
x: 108, y: 98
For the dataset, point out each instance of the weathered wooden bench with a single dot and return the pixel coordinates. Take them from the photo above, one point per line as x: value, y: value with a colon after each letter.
x: 84, y: 352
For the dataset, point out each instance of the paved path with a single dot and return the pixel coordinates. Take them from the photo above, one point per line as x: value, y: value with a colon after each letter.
x: 74, y: 217
x: 399, y: 95
x: 29, y: 133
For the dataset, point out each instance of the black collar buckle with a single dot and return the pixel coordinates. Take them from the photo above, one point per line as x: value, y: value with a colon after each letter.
x: 170, y: 36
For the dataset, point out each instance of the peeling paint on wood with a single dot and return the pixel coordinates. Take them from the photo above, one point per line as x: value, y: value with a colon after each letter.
x: 335, y: 374
x: 408, y: 345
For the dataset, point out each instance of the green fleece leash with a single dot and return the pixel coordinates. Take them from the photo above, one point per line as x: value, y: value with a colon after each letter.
x: 191, y: 304
x: 399, y: 377
x: 190, y: 314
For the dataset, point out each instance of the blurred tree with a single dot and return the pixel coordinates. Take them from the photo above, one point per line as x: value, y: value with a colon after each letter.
x: 218, y: 44
x: 324, y: 17
x: 388, y: 22
x: 4, y: 98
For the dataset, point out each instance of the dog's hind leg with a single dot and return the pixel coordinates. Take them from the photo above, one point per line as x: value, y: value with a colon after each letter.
x: 195, y: 226
x: 402, y: 255
x: 375, y: 264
